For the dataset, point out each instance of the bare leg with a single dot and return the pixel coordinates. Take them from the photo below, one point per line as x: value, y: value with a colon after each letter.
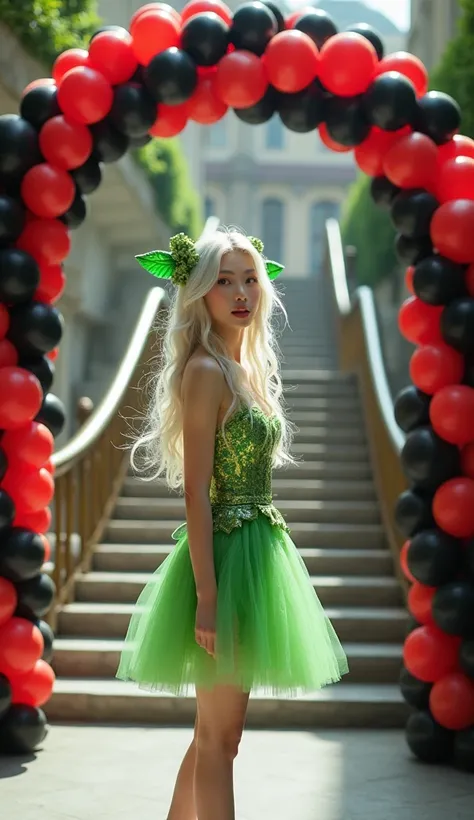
x: 183, y: 806
x: 221, y: 714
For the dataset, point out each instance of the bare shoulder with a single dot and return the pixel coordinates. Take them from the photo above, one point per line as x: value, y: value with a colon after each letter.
x: 202, y: 376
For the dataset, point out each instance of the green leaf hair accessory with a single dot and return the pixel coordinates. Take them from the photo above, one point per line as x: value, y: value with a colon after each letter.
x: 175, y: 264
x: 273, y: 268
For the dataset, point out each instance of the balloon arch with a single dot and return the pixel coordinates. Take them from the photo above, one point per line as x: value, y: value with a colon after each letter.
x: 149, y: 81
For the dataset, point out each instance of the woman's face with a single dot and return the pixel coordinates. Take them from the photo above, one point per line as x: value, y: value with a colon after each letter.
x: 234, y: 299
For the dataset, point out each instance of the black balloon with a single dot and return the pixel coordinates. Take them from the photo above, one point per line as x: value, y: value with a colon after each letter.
x: 414, y: 691
x: 346, y: 121
x: 48, y: 638
x: 3, y: 463
x: 457, y: 324
x: 21, y: 554
x: 7, y: 510
x: 41, y: 367
x: 39, y: 105
x: 36, y: 594
x: 412, y: 212
x: 114, y: 29
x: 412, y: 409
x: 19, y: 276
x: 434, y: 558
x: 383, y: 192
x: 35, y: 328
x: 253, y: 26
x: 76, y: 213
x: 464, y: 749
x: 140, y: 142
x: 88, y: 176
x: 470, y: 558
x: 304, y: 110
x: 429, y: 741
x: 5, y: 695
x: 371, y: 35
x: 110, y: 144
x: 19, y: 148
x: 413, y: 512
x: 171, y: 77
x: 438, y: 280
x: 466, y: 657
x: 22, y: 729
x: 411, y: 250
x: 133, y: 111
x: 263, y: 110
x: 205, y: 37
x: 52, y: 414
x: 438, y: 116
x: 278, y: 15
x: 390, y: 102
x: 428, y: 460
x: 12, y: 220
x: 453, y: 608
x: 318, y: 25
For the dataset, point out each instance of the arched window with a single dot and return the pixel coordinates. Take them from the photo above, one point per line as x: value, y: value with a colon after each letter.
x: 209, y: 207
x: 319, y: 213
x: 273, y: 225
x: 274, y: 133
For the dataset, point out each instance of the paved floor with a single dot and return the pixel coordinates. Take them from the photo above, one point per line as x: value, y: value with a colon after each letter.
x: 103, y: 773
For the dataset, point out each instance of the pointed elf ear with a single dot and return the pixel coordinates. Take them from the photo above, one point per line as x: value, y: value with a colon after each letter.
x: 159, y: 263
x: 273, y: 269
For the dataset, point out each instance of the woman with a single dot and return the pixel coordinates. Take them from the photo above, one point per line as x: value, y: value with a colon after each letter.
x: 232, y: 607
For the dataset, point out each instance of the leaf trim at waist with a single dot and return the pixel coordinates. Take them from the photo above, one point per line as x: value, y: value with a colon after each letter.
x: 226, y: 517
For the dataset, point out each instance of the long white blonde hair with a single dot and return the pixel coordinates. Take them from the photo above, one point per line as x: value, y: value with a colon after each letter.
x: 189, y: 325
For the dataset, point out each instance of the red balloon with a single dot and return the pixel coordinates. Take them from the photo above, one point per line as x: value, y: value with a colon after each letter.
x: 370, y: 154
x: 47, y: 240
x: 35, y: 687
x: 404, y: 562
x: 72, y: 58
x: 53, y: 354
x: 433, y: 367
x: 8, y: 354
x: 420, y: 323
x: 111, y: 53
x: 51, y: 285
x: 409, y: 273
x: 241, y: 80
x: 458, y: 146
x: 20, y: 397
x: 47, y: 547
x: 39, y: 521
x: 30, y: 489
x: 32, y: 444
x: 408, y: 65
x: 348, y: 64
x: 412, y: 162
x: 37, y: 84
x: 47, y: 191
x: 198, y: 6
x: 21, y: 645
x: 467, y: 460
x: 4, y: 321
x: 65, y: 144
x: 8, y: 600
x: 204, y: 106
x: 154, y: 32
x: 452, y: 414
x: 452, y: 701
x: 328, y: 141
x: 171, y: 120
x: 420, y: 599
x: 291, y: 60
x: 84, y: 95
x: 429, y: 653
x: 153, y: 7
x: 452, y: 230
x: 453, y: 507
x: 456, y: 179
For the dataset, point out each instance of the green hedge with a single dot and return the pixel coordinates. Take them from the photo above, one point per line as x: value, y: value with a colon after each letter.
x: 455, y: 73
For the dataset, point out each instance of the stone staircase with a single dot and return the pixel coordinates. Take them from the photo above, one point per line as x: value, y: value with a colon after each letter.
x: 330, y: 503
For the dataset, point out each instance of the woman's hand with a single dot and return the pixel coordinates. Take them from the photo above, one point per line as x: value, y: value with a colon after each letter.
x: 206, y: 625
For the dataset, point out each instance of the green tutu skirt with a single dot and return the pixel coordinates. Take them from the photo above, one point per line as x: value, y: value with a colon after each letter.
x: 271, y: 630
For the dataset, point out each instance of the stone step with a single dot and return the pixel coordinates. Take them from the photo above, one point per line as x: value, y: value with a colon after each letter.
x: 299, y: 489
x: 325, y: 390
x: 323, y: 377
x: 346, y: 705
x: 107, y: 620
x: 320, y: 434
x: 322, y: 361
x: 304, y: 534
x: 350, y: 421
x: 340, y: 408
x: 332, y: 452
x: 332, y: 590
x: 147, y: 557
x: 157, y: 509
x: 99, y: 657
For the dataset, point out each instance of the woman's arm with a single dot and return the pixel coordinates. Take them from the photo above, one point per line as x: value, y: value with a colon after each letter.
x: 202, y: 390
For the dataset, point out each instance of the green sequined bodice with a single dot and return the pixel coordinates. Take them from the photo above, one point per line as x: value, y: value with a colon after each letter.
x: 241, y: 486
